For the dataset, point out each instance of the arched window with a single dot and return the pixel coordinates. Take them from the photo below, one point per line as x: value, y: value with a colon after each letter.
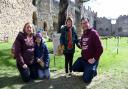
x: 120, y: 29
x: 34, y: 2
x: 45, y: 26
x: 100, y: 29
x: 34, y: 18
x: 107, y: 29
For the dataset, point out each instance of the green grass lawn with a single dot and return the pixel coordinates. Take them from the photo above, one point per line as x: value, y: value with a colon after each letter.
x: 109, y: 61
x: 110, y: 58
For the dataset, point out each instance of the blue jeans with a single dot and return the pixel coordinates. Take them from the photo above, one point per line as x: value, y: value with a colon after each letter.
x: 89, y: 70
x: 45, y: 73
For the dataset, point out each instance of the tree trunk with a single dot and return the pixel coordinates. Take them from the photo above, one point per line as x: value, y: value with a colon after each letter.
x: 78, y: 17
x: 79, y: 4
x: 62, y: 13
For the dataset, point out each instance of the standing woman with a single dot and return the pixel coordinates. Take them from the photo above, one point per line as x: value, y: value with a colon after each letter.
x: 24, y: 53
x: 68, y: 39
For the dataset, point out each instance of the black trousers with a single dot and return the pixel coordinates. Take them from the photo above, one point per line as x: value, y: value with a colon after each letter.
x: 29, y: 73
x: 68, y: 62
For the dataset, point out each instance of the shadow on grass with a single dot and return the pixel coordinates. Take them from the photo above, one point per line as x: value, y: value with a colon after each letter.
x: 61, y: 82
x: 6, y: 58
x: 7, y: 81
x: 74, y: 82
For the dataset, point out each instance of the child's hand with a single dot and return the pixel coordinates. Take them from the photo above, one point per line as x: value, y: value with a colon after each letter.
x: 40, y: 62
x: 62, y: 47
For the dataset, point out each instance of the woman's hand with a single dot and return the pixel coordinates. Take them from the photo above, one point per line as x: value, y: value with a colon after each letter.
x: 25, y: 66
x: 38, y: 60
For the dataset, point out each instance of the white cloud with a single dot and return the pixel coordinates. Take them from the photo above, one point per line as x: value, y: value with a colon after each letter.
x: 109, y: 8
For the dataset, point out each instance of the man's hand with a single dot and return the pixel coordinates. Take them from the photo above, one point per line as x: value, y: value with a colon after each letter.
x: 91, y: 60
x: 25, y: 66
x: 79, y: 46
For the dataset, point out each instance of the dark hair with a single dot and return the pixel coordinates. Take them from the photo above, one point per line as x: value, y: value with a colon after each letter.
x: 83, y: 18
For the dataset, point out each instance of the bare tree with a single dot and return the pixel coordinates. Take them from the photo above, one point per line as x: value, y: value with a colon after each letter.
x: 62, y: 13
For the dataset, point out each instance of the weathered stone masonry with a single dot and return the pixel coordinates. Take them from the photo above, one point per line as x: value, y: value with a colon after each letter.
x: 13, y: 15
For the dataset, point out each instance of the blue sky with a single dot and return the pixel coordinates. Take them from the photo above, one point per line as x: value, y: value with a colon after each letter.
x: 109, y: 8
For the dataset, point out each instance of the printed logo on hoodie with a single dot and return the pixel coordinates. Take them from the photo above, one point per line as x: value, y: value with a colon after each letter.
x: 84, y: 43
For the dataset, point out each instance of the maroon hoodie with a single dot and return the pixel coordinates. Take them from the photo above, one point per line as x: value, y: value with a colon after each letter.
x: 24, y: 50
x: 91, y: 45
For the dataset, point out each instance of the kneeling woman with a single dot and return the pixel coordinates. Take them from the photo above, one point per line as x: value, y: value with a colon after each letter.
x: 24, y: 53
x: 42, y: 57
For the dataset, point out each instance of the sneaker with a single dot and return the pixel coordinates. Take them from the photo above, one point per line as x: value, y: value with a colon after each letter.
x: 95, y: 74
x: 67, y: 75
x: 48, y: 77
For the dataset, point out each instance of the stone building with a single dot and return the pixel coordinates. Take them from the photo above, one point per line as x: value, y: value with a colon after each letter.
x: 47, y: 10
x: 91, y: 15
x: 44, y: 13
x: 55, y: 11
x: 114, y: 30
x: 122, y: 26
x: 106, y: 28
x: 103, y: 26
x: 13, y: 15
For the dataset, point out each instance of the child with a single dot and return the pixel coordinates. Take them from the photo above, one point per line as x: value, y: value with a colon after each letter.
x: 42, y: 57
x: 68, y: 39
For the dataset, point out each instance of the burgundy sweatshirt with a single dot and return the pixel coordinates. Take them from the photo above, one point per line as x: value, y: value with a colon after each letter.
x: 24, y: 49
x: 91, y: 45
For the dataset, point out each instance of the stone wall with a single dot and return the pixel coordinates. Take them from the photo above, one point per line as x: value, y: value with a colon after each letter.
x: 13, y: 15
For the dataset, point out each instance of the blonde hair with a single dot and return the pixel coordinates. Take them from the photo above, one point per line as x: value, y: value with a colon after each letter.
x: 28, y: 23
x: 68, y: 18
